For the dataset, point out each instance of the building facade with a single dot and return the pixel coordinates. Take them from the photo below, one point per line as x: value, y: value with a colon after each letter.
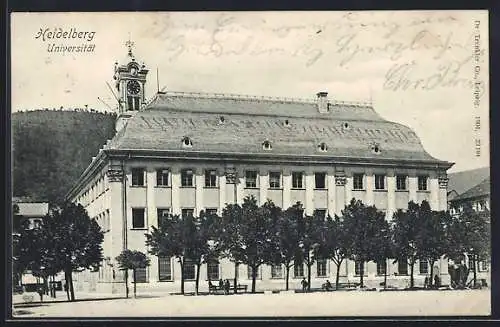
x: 181, y: 153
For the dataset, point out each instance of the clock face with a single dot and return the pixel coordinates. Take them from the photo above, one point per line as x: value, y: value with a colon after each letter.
x: 133, y: 87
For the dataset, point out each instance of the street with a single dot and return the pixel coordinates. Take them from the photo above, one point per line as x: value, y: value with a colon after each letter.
x: 354, y: 303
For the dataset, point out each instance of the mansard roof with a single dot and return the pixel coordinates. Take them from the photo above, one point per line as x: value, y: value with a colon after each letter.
x: 229, y: 124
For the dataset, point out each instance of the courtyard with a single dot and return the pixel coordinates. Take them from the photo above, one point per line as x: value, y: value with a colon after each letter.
x: 341, y: 303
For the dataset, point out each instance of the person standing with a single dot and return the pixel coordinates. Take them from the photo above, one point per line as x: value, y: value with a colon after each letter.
x: 304, y: 284
x: 226, y: 287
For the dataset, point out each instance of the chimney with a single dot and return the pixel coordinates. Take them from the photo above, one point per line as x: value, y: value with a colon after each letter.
x: 322, y: 102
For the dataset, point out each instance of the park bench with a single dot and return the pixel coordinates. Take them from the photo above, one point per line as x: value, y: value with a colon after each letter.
x: 213, y: 289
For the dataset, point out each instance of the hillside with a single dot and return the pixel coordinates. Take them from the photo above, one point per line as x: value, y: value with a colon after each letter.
x: 50, y: 149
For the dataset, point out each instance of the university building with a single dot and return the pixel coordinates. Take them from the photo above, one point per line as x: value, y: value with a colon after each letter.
x: 181, y: 153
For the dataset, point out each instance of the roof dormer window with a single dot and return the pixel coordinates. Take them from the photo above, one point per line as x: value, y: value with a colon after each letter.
x: 376, y: 148
x: 346, y: 126
x: 186, y: 142
x: 221, y: 120
x: 286, y: 123
x: 266, y: 145
x: 322, y: 147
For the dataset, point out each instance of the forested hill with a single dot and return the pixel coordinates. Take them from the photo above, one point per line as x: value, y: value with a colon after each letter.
x: 52, y: 148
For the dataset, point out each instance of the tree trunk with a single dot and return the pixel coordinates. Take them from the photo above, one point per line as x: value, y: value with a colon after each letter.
x: 135, y: 283
x: 337, y: 277
x: 126, y: 283
x: 411, y: 274
x: 71, y: 288
x: 182, y: 276
x: 385, y: 274
x: 361, y: 274
x: 254, y: 277
x: 431, y: 279
x: 66, y: 281
x: 197, y: 283
x: 45, y: 286
x: 287, y: 275
x: 236, y: 276
x: 474, y: 269
x: 308, y: 272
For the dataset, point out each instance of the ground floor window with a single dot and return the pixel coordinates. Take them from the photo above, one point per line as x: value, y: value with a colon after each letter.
x: 321, y: 268
x: 381, y: 267
x: 141, y: 275
x: 189, y: 269
x: 276, y: 271
x: 249, y: 273
x: 423, y: 266
x: 402, y: 266
x: 298, y: 270
x: 213, y: 271
x: 164, y: 269
x: 358, y: 267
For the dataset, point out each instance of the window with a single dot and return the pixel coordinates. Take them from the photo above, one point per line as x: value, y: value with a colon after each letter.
x: 141, y: 275
x: 276, y: 271
x: 274, y: 180
x: 213, y: 270
x: 162, y: 214
x: 381, y: 268
x: 422, y: 183
x: 380, y: 182
x: 321, y: 268
x: 357, y: 180
x: 322, y: 147
x: 251, y: 179
x: 320, y: 180
x: 211, y: 211
x: 320, y: 213
x: 187, y: 212
x: 164, y: 269
x: 189, y: 269
x: 211, y: 178
x: 400, y: 182
x: 137, y: 176
x: 186, y: 142
x: 249, y: 273
x: 423, y: 266
x: 138, y: 218
x: 162, y: 177
x: 266, y: 145
x: 187, y: 178
x: 402, y: 266
x: 297, y: 178
x: 298, y: 270
x: 358, y: 266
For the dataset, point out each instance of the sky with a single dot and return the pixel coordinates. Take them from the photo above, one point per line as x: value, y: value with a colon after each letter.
x: 425, y: 69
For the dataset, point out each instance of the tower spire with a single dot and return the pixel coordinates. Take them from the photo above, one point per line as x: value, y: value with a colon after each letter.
x: 129, y: 45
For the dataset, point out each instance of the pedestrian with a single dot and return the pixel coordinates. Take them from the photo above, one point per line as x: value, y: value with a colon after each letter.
x: 221, y: 284
x: 40, y: 291
x: 436, y: 281
x: 304, y: 284
x: 226, y: 287
x: 328, y: 285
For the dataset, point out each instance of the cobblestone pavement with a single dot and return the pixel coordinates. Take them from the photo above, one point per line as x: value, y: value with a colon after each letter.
x: 354, y: 303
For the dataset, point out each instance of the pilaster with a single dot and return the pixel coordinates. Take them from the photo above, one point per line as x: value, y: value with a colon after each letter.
x: 412, y: 188
x: 340, y: 181
x: 331, y: 192
x: 263, y: 185
x: 240, y: 185
x: 176, y: 183
x: 370, y: 184
x: 287, y: 188
x: 391, y: 195
x: 222, y: 191
x: 443, y: 192
x: 434, y: 196
x: 309, y: 197
x: 198, y: 183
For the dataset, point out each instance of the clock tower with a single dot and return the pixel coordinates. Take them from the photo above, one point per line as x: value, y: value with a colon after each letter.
x: 130, y: 80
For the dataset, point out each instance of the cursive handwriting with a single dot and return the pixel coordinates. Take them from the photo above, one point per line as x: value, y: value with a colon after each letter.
x: 402, y: 77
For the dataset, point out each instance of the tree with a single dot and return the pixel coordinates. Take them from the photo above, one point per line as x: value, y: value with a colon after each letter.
x: 132, y: 260
x: 75, y: 241
x: 362, y: 224
x: 230, y: 243
x: 309, y: 229
x: 431, y: 242
x: 384, y: 248
x: 170, y: 239
x: 251, y: 243
x: 287, y: 238
x: 469, y: 233
x: 406, y: 233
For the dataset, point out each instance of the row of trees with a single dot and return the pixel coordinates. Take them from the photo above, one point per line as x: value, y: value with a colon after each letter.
x: 255, y: 235
x: 68, y: 240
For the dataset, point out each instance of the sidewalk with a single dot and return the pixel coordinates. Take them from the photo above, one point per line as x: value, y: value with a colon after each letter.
x: 33, y: 297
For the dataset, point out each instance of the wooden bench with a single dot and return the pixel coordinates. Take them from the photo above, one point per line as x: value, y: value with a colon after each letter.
x: 212, y: 289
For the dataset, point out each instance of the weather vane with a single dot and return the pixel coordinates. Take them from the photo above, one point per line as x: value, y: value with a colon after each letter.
x: 129, y: 45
